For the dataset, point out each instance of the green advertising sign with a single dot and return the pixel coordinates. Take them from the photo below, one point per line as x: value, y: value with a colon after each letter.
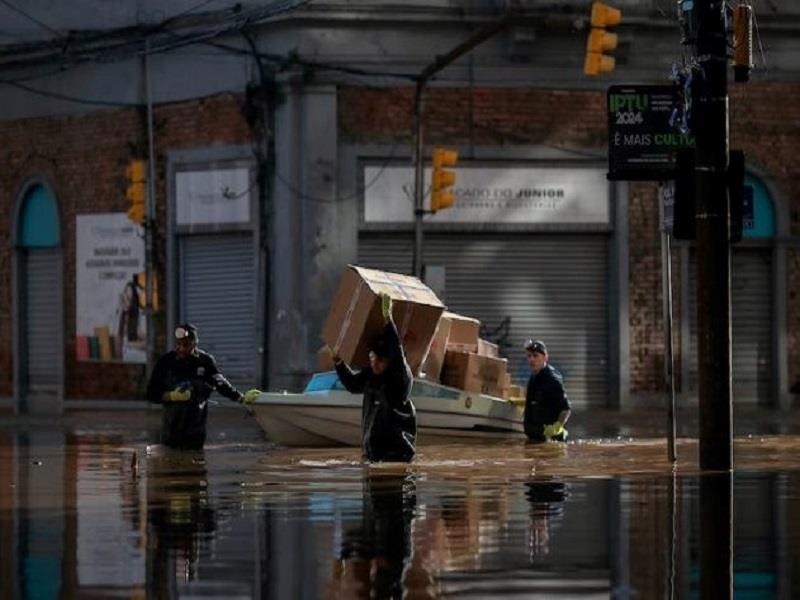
x: 641, y: 142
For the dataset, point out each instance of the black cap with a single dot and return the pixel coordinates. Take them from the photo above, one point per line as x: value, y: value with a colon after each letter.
x: 380, y: 347
x: 185, y: 330
x: 536, y: 346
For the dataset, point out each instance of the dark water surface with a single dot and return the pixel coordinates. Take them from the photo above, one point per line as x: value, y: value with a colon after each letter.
x: 602, y: 516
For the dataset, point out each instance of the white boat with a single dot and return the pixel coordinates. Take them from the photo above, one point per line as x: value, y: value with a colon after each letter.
x: 326, y: 414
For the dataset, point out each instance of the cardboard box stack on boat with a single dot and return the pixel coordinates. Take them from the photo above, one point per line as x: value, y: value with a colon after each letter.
x: 472, y: 372
x: 354, y: 320
x: 465, y: 361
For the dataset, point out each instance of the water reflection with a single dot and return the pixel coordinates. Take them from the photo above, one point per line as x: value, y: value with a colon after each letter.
x: 179, y: 519
x: 546, y: 498
x: 375, y: 551
x: 243, y: 520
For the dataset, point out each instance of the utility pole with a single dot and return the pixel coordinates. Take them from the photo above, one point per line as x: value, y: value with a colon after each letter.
x: 710, y: 102
x: 425, y: 75
x: 713, y: 250
x: 150, y: 219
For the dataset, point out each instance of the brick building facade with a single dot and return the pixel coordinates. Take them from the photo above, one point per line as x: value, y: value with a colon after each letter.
x: 84, y: 159
x: 328, y: 117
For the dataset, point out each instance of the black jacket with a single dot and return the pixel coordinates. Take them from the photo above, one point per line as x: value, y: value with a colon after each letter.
x: 184, y: 423
x: 544, y: 401
x: 388, y: 417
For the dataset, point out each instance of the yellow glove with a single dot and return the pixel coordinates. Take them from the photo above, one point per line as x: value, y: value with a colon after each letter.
x: 250, y: 396
x: 553, y: 429
x: 386, y: 307
x: 180, y: 394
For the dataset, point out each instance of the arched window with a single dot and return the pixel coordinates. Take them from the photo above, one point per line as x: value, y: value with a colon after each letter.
x: 763, y: 223
x: 38, y: 222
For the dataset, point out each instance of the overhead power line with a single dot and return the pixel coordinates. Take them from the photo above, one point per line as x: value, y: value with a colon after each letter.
x: 30, y: 17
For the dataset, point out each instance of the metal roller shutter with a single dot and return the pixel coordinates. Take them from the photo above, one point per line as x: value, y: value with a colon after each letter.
x: 553, y: 287
x: 218, y: 295
x: 42, y: 318
x: 751, y: 318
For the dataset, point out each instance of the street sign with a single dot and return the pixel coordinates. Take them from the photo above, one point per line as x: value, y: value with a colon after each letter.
x: 641, y: 142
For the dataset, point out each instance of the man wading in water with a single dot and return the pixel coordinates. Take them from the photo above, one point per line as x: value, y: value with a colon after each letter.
x: 388, y: 417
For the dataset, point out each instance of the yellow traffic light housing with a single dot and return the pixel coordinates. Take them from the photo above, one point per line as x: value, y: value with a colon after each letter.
x: 601, y: 41
x: 442, y: 180
x: 136, y: 192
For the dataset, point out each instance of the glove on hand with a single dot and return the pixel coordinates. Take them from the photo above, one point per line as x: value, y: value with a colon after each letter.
x: 553, y: 429
x: 386, y: 307
x: 334, y: 357
x: 250, y: 396
x: 180, y: 394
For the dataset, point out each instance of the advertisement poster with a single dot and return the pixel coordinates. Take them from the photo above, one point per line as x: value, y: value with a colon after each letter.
x: 109, y: 281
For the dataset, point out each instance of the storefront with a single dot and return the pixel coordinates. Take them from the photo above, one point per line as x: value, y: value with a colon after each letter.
x: 525, y: 249
x: 37, y: 288
x: 758, y: 278
x: 214, y: 259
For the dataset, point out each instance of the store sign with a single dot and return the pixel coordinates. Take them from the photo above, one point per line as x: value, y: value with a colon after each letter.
x: 109, y: 304
x: 212, y: 197
x: 516, y: 194
x: 642, y: 141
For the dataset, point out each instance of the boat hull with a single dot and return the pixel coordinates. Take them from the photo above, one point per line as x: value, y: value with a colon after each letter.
x: 333, y: 418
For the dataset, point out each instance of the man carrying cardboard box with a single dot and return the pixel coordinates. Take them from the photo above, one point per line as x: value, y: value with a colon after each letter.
x: 388, y: 417
x: 547, y: 408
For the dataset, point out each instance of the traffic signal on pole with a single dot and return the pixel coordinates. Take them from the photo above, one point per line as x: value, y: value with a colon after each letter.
x: 443, y: 179
x: 600, y: 40
x: 136, y: 192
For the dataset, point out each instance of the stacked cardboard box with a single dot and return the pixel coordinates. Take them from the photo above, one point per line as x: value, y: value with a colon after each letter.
x: 469, y: 362
x: 354, y: 321
x: 439, y: 345
x: 472, y: 372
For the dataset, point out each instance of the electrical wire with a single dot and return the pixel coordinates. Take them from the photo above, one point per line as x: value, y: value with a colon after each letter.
x: 760, y: 41
x: 189, y: 11
x: 30, y: 17
x: 317, y: 199
x: 68, y: 98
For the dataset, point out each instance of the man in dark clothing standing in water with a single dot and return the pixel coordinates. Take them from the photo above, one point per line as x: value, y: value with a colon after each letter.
x: 182, y: 380
x: 388, y: 417
x: 547, y: 408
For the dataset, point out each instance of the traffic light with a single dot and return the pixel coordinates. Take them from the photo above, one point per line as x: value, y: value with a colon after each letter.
x: 441, y: 196
x: 136, y: 191
x: 600, y: 40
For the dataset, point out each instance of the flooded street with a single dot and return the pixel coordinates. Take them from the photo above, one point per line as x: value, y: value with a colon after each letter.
x: 90, y: 508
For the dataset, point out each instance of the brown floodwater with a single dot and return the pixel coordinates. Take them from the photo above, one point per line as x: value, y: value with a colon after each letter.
x: 90, y: 507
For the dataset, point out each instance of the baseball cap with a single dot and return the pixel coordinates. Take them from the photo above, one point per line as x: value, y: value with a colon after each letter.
x: 536, y: 346
x: 186, y: 330
x: 380, y: 347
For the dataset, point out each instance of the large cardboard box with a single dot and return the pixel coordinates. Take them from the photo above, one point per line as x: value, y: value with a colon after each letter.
x: 435, y: 359
x: 474, y: 373
x: 463, y: 332
x: 487, y: 348
x: 354, y: 320
x: 515, y: 391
